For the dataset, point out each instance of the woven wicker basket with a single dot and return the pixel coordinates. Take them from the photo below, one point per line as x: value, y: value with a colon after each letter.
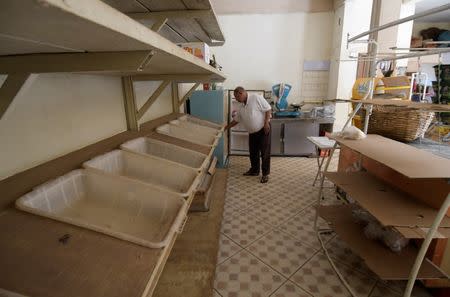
x: 399, y: 123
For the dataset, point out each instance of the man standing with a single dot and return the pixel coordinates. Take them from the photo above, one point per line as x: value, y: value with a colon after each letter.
x: 255, y: 113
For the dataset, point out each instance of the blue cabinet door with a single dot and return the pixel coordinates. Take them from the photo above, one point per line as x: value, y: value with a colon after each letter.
x: 209, y: 105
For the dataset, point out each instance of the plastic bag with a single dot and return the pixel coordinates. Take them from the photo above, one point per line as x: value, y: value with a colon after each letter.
x: 350, y: 133
x: 375, y: 231
x: 391, y: 238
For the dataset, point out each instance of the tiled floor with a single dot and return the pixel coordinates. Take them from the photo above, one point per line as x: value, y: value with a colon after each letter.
x: 268, y: 246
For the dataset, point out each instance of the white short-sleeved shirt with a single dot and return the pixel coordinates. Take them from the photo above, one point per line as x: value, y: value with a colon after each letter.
x: 252, y: 114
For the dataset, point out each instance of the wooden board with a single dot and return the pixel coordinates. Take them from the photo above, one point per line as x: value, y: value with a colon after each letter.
x: 88, y: 26
x: 417, y: 232
x: 387, y: 204
x: 394, y: 266
x: 407, y: 104
x: 205, y: 28
x: 408, y: 160
x: 36, y: 263
x: 401, y: 103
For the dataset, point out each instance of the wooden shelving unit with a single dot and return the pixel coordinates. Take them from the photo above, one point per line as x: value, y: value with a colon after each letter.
x: 87, y: 36
x: 392, y: 207
x: 388, y: 205
x: 409, y: 161
x: 91, y: 37
x: 89, y: 264
x: 180, y: 21
x: 394, y: 266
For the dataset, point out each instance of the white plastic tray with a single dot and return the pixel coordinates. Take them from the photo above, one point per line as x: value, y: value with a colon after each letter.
x: 198, y: 121
x: 125, y: 209
x: 147, y: 146
x: 158, y: 172
x: 187, y: 134
x: 197, y: 128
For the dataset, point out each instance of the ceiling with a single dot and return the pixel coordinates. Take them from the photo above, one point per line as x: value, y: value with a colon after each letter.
x: 422, y: 5
x: 270, y: 6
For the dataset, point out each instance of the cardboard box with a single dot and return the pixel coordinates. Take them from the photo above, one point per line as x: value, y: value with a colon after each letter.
x: 397, y: 85
x: 198, y: 49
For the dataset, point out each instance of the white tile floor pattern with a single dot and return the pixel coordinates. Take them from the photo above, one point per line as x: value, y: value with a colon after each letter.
x: 268, y: 246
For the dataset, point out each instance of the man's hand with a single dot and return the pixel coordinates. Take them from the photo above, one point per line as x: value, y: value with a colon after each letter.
x: 266, y: 128
x: 230, y: 125
x: 267, y: 118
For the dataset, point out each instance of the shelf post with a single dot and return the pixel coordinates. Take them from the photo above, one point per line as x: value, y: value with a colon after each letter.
x: 130, y: 103
x: 8, y: 91
x: 175, y: 98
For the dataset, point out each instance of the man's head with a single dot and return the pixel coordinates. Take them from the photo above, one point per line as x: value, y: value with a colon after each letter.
x: 240, y: 94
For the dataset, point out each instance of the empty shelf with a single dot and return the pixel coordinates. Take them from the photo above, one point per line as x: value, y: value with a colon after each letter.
x: 39, y: 263
x: 79, y: 29
x: 394, y: 266
x: 403, y: 158
x: 401, y: 103
x: 388, y: 205
x: 188, y: 21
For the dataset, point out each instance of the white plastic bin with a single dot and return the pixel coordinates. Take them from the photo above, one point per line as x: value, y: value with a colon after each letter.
x: 188, y: 135
x: 125, y: 209
x: 197, y: 128
x: 198, y: 121
x: 161, y: 173
x: 147, y: 146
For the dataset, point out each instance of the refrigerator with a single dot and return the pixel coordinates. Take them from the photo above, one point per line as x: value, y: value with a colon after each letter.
x: 212, y: 106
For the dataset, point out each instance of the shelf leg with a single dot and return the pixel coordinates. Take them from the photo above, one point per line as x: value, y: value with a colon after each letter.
x: 424, y: 247
x: 318, y: 232
x: 341, y: 277
x: 8, y: 91
x: 175, y: 98
x: 352, y: 115
x: 327, y: 164
x: 322, y: 180
x: 319, y: 165
x: 130, y: 103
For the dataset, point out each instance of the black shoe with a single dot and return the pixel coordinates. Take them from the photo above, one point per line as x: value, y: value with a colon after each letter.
x: 251, y: 173
x: 264, y: 179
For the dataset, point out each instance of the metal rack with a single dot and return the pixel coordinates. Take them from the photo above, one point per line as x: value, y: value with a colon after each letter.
x: 439, y: 216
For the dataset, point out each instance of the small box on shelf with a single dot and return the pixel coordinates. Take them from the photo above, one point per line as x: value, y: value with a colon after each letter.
x: 198, y: 49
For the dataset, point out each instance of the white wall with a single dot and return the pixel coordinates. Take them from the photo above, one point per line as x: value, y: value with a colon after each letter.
x: 162, y: 106
x: 351, y: 17
x: 55, y: 114
x: 399, y: 36
x: 262, y: 50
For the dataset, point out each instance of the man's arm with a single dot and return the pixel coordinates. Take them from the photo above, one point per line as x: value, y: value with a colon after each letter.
x: 268, y: 115
x: 231, y: 125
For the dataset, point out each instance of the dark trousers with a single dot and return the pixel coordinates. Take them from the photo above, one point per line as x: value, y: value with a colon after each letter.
x: 259, y: 146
